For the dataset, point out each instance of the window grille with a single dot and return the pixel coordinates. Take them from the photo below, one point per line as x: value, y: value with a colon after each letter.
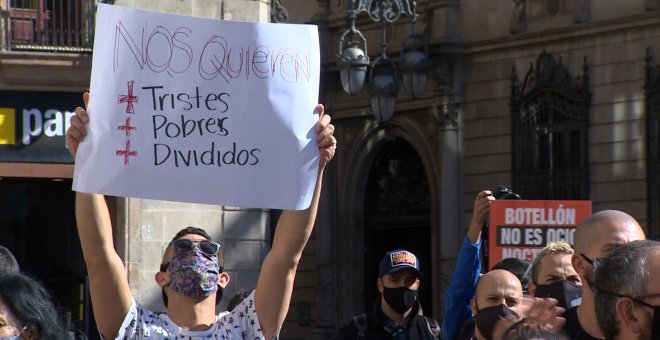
x: 550, y: 120
x: 51, y: 25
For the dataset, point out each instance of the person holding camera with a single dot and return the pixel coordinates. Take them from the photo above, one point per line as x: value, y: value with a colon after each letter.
x: 468, y: 267
x: 463, y: 282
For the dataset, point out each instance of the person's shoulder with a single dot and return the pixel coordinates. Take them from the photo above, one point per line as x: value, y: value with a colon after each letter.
x: 572, y: 327
x: 352, y: 324
x: 433, y: 326
x: 140, y: 320
x: 349, y: 329
x: 571, y: 318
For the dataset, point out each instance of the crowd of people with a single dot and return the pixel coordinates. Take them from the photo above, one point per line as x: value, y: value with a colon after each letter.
x: 607, y: 286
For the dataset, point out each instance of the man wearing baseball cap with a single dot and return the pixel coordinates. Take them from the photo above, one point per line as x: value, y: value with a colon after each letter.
x: 396, y: 314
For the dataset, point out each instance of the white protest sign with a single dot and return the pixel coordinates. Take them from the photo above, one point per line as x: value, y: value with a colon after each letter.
x: 201, y: 110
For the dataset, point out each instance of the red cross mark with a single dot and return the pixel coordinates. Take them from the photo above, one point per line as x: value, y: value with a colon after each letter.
x: 127, y: 127
x: 128, y: 98
x: 126, y: 153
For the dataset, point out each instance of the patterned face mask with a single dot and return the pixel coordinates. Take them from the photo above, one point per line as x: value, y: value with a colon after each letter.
x: 15, y: 337
x: 194, y: 273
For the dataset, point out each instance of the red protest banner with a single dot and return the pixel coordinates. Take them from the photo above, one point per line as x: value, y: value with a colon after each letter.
x: 520, y: 228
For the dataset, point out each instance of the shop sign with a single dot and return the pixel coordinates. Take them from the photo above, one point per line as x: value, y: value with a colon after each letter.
x: 33, y: 124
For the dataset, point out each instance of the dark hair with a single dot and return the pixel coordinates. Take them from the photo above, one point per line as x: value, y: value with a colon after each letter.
x: 626, y: 270
x: 32, y: 305
x: 525, y: 329
x: 192, y: 230
x: 521, y: 269
x: 7, y: 260
x: 201, y: 232
x: 237, y: 299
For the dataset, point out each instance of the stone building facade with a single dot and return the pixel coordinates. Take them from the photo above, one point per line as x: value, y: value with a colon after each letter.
x: 583, y: 69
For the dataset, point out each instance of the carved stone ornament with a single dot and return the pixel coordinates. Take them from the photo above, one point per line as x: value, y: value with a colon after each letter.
x: 518, y: 18
x: 446, y: 115
x: 652, y: 5
x: 582, y: 11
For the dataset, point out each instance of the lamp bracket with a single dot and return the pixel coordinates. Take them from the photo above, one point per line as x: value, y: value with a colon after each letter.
x: 277, y: 12
x: 387, y: 11
x: 443, y: 74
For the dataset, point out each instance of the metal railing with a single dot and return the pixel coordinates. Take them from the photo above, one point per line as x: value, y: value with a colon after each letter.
x: 50, y: 25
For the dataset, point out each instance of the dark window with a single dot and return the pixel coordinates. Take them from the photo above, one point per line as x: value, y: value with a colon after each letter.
x: 398, y: 216
x: 37, y: 224
x: 550, y: 112
x: 652, y: 89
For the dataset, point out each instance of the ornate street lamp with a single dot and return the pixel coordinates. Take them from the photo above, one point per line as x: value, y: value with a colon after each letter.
x: 383, y: 88
x: 352, y: 60
x: 353, y: 57
x: 415, y: 62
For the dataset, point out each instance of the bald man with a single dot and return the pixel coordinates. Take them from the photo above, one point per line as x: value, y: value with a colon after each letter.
x: 498, y: 295
x: 594, y: 238
x: 499, y: 298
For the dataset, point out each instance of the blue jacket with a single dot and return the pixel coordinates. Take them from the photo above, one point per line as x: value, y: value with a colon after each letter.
x: 461, y: 289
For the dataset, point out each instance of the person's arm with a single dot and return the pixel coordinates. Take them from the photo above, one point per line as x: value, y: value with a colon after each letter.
x: 479, y: 215
x: 275, y: 283
x: 468, y: 267
x: 109, y: 288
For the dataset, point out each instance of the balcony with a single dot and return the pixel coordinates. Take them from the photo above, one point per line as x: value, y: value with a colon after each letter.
x: 49, y: 25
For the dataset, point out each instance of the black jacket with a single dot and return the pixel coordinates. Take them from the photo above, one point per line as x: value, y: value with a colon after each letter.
x: 420, y: 327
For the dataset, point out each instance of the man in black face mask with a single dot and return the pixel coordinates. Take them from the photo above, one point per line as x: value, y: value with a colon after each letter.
x: 594, y: 238
x: 628, y: 292
x: 498, y: 296
x: 553, y: 275
x: 499, y: 301
x: 397, y: 314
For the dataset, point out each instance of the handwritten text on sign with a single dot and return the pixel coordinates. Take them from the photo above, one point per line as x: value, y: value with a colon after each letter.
x: 201, y: 110
x: 520, y: 228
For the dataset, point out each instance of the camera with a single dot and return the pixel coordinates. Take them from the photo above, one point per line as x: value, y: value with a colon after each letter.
x: 502, y: 192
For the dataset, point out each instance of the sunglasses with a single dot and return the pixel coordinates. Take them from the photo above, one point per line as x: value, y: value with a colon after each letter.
x: 207, y: 247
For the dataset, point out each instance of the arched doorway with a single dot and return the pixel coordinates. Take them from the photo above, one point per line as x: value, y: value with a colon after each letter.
x: 397, y: 215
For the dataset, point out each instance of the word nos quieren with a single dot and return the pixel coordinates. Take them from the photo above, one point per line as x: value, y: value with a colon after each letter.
x: 171, y: 50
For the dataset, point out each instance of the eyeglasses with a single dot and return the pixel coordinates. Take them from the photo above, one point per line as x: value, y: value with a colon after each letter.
x: 207, y: 247
x: 636, y: 298
x: 590, y: 261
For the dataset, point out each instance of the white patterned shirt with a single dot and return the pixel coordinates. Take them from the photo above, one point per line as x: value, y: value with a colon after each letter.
x: 240, y: 324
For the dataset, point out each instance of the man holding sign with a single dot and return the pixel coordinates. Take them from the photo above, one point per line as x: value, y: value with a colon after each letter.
x: 192, y: 258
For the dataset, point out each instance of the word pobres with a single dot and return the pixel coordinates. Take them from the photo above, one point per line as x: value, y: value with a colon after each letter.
x: 160, y: 49
x: 185, y: 127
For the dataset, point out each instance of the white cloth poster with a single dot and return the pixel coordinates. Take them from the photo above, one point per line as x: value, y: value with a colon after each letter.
x: 201, y: 110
